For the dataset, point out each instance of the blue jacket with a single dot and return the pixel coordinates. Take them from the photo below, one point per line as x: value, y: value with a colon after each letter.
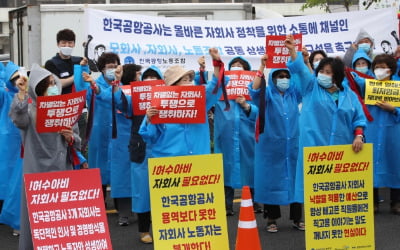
x: 322, y: 122
x: 277, y: 149
x: 181, y: 139
x: 10, y: 138
x: 99, y: 154
x: 234, y: 137
x: 384, y: 133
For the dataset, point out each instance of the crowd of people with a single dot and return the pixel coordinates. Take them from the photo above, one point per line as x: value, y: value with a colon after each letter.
x: 311, y: 102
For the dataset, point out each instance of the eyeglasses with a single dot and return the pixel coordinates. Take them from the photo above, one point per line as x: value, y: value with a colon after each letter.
x: 281, y: 76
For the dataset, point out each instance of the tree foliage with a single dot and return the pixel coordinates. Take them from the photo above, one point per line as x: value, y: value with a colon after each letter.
x: 326, y: 4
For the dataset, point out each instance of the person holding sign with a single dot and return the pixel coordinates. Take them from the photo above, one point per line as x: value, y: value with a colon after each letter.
x: 234, y: 133
x: 174, y: 139
x: 384, y: 132
x: 331, y: 113
x: 277, y: 148
x: 44, y: 152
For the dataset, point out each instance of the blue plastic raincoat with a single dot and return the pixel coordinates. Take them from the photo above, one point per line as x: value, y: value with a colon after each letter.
x: 181, y: 139
x: 322, y: 122
x: 277, y: 148
x: 99, y: 154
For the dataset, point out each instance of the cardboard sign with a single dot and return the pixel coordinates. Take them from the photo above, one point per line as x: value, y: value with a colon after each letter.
x: 238, y: 82
x: 141, y: 95
x: 378, y: 91
x: 278, y: 54
x: 188, y: 202
x: 179, y: 104
x: 338, y: 197
x: 58, y: 112
x: 66, y: 210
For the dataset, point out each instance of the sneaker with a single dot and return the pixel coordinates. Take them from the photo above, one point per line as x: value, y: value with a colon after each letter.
x: 299, y: 226
x: 15, y: 233
x: 146, y: 238
x: 272, y: 227
x: 123, y: 221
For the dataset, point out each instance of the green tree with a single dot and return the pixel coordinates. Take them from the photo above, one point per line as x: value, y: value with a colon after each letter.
x: 325, y: 4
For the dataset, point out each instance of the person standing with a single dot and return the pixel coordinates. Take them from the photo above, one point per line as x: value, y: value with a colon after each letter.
x: 277, y: 149
x: 43, y: 152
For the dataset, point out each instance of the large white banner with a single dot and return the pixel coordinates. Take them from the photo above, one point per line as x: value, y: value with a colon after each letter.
x: 160, y: 41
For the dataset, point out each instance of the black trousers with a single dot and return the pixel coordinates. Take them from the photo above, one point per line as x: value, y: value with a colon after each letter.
x: 144, y: 221
x: 273, y: 212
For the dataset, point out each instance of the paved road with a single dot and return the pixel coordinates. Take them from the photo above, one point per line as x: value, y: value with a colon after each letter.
x: 387, y: 232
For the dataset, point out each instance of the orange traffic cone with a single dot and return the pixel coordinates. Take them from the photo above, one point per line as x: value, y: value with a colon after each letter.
x: 247, y: 235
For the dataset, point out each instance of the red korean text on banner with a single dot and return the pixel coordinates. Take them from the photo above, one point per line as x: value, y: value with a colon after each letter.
x: 141, y: 95
x: 238, y: 83
x: 66, y: 210
x: 278, y: 54
x: 179, y: 104
x: 58, y: 112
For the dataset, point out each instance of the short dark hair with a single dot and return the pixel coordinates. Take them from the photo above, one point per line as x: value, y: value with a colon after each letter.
x: 246, y: 65
x: 107, y: 57
x: 42, y: 86
x: 66, y: 35
x: 313, y: 54
x: 389, y: 60
x: 129, y: 73
x: 337, y: 69
x: 151, y: 72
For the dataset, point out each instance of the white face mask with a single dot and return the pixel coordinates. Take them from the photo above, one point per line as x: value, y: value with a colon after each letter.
x: 53, y: 90
x: 315, y: 64
x: 236, y: 68
x: 381, y: 73
x: 282, y: 84
x: 363, y: 69
x: 66, y: 51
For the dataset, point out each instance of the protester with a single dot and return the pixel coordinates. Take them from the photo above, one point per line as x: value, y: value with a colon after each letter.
x: 384, y: 133
x: 120, y: 180
x: 181, y: 139
x: 277, y: 148
x: 10, y: 150
x: 331, y: 113
x: 139, y: 152
x: 62, y: 65
x: 102, y: 110
x: 365, y: 42
x: 234, y: 137
x: 44, y: 152
x: 315, y: 58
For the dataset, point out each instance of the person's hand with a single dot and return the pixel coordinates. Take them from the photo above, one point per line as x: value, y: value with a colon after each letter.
x: 242, y: 101
x: 264, y: 59
x: 355, y: 46
x: 150, y: 112
x: 84, y: 165
x: 118, y: 73
x: 214, y: 54
x: 68, y: 134
x: 84, y: 61
x: 87, y: 78
x: 289, y: 42
x: 385, y: 106
x: 357, y: 144
x: 202, y: 62
x: 22, y: 84
x: 305, y: 54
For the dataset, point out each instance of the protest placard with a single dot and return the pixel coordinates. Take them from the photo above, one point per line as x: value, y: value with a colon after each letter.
x: 66, y: 210
x: 188, y: 202
x: 338, y: 197
x: 58, y: 112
